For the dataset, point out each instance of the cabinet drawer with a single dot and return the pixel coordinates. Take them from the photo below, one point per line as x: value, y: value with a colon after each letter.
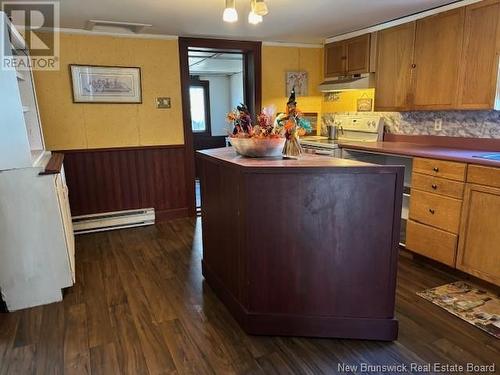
x: 438, y: 185
x: 435, y: 210
x: 440, y: 168
x: 431, y: 242
x: 478, y: 174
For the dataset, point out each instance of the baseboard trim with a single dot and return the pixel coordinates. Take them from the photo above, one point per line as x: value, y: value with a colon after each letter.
x: 166, y: 215
x: 270, y: 324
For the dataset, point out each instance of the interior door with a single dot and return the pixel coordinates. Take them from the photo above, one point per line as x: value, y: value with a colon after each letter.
x: 394, y: 67
x: 438, y: 48
x: 199, y: 97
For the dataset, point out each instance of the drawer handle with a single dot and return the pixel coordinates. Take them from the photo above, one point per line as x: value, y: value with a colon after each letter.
x: 435, y: 169
x: 432, y: 211
x: 434, y: 186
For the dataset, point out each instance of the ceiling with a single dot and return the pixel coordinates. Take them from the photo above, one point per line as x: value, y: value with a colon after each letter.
x: 215, y: 63
x: 309, y: 21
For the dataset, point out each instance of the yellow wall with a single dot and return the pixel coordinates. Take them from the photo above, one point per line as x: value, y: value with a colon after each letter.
x: 276, y: 61
x: 347, y: 101
x: 67, y: 125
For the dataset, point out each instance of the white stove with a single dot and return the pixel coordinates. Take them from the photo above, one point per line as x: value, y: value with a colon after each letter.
x: 367, y: 127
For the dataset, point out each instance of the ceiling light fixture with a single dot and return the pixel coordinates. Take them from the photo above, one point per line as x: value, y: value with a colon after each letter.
x: 258, y: 9
x: 230, y: 14
x: 253, y: 17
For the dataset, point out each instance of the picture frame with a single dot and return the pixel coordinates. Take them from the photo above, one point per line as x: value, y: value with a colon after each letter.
x: 299, y: 80
x: 106, y: 84
x: 313, y: 119
x: 364, y: 105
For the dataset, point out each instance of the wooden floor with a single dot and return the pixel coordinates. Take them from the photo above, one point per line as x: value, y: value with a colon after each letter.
x: 140, y: 306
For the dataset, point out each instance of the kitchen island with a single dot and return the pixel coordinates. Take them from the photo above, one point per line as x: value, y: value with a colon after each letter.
x: 303, y: 247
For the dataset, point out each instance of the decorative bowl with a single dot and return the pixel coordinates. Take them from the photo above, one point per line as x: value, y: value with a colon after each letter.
x: 258, y: 147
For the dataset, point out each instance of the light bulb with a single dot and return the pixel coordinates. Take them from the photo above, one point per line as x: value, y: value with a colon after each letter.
x: 254, y: 18
x: 260, y: 8
x: 230, y: 14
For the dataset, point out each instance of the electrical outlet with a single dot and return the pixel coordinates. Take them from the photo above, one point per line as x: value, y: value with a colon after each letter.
x: 438, y: 124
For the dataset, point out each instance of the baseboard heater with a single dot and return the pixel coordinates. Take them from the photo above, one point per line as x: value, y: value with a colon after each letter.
x: 113, y: 220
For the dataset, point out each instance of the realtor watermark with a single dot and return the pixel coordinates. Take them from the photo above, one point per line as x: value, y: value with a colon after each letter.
x: 417, y: 368
x: 30, y: 35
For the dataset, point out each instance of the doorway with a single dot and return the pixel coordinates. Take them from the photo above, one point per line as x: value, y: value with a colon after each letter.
x: 216, y: 75
x: 216, y: 87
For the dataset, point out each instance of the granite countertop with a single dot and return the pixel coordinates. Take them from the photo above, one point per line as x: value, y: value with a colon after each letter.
x: 424, y: 151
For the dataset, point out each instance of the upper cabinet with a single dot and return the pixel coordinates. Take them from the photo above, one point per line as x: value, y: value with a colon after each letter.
x: 479, y: 63
x: 21, y: 139
x: 446, y: 61
x: 334, y: 59
x: 438, y: 48
x: 394, y: 67
x: 351, y: 56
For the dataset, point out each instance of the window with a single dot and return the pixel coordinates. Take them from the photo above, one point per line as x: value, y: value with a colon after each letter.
x: 198, y: 95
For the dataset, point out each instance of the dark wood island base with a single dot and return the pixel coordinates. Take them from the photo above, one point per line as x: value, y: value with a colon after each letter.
x: 303, y: 247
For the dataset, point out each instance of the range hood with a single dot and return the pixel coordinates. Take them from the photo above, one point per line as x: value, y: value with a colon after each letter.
x: 351, y: 82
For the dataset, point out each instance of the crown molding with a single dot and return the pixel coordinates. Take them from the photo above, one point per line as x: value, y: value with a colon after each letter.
x: 295, y: 45
x: 169, y: 37
x: 115, y: 34
x: 402, y: 20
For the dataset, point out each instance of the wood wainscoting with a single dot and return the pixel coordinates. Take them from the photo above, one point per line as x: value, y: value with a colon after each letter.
x: 106, y: 180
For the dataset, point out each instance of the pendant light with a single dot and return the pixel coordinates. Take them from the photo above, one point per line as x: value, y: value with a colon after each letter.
x: 230, y: 14
x: 253, y: 17
x: 260, y: 8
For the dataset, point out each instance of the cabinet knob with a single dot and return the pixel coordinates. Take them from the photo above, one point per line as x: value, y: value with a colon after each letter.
x: 432, y: 211
x: 434, y: 186
x: 435, y: 169
x: 413, y: 66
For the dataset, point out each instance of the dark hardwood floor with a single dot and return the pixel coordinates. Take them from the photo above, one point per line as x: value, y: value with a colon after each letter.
x: 140, y: 306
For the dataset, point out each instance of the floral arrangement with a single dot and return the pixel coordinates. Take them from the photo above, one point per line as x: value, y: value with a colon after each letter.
x: 290, y: 125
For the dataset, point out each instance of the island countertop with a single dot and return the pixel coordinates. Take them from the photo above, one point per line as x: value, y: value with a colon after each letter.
x: 229, y: 156
x: 304, y: 247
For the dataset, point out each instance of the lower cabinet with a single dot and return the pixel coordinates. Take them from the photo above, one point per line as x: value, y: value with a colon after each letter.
x: 37, y: 254
x: 435, y: 209
x: 431, y: 242
x: 479, y: 246
x: 456, y: 220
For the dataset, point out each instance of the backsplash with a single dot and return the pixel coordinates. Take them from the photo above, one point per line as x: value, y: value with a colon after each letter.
x: 472, y: 124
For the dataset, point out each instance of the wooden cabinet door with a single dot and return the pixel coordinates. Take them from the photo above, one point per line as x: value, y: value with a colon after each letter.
x: 63, y: 199
x: 357, y: 51
x: 335, y: 59
x: 479, y: 245
x: 438, y: 49
x: 393, y: 73
x: 479, y: 66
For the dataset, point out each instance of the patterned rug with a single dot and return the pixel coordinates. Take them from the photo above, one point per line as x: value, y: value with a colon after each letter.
x: 475, y: 306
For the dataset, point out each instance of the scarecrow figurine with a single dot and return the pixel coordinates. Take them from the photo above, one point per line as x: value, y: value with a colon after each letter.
x: 292, y: 148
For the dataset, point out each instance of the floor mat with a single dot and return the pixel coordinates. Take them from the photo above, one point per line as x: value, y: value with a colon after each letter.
x: 474, y: 305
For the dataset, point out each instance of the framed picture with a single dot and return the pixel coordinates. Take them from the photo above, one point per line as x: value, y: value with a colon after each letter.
x: 106, y: 84
x: 364, y: 105
x: 313, y: 119
x: 297, y: 80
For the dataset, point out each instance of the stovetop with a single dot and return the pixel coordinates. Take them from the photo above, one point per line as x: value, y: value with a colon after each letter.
x: 319, y: 141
